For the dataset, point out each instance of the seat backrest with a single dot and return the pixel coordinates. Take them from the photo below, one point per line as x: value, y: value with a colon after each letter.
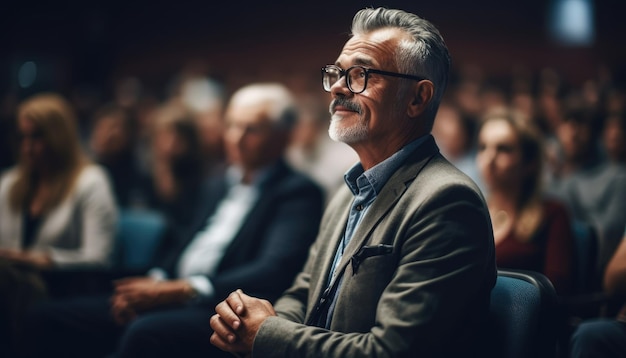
x: 139, y: 234
x: 586, y: 251
x: 522, y: 321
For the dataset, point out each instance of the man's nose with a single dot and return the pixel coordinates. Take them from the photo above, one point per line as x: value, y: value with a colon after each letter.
x: 340, y: 88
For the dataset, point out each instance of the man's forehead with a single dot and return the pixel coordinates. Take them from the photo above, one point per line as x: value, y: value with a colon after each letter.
x: 387, y: 34
x: 371, y: 48
x: 251, y: 112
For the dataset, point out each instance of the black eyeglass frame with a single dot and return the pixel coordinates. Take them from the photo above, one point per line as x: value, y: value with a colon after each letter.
x: 367, y: 71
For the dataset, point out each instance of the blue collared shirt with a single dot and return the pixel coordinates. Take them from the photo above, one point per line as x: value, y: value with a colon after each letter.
x: 365, y: 186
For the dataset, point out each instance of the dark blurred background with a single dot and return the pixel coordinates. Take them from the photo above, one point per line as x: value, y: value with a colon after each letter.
x: 89, y: 46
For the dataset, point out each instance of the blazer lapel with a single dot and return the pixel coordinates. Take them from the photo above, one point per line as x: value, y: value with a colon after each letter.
x: 389, y: 195
x: 264, y: 204
x: 332, y: 236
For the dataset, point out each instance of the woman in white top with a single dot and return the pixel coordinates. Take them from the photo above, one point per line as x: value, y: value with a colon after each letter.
x: 56, y: 208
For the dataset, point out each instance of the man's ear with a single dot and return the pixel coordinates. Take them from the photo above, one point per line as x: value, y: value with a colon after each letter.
x: 423, y: 92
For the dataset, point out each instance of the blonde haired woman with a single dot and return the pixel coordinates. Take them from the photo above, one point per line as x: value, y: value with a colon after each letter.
x: 531, y: 231
x: 56, y: 208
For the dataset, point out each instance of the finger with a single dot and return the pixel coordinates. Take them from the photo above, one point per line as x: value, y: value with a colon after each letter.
x: 123, y: 287
x: 236, y: 301
x: 132, y: 289
x: 122, y: 281
x: 227, y: 315
x: 222, y: 329
x: 128, y: 280
x: 219, y: 342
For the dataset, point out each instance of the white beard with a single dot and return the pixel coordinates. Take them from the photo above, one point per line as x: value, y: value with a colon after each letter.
x: 348, y: 135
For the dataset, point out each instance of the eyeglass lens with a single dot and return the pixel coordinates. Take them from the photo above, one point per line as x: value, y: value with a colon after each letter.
x: 355, y: 76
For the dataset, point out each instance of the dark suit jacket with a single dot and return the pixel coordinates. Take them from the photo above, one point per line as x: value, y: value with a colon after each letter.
x: 426, y: 296
x: 271, y: 246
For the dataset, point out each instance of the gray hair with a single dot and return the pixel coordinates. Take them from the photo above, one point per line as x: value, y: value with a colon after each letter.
x: 426, y: 56
x: 280, y: 105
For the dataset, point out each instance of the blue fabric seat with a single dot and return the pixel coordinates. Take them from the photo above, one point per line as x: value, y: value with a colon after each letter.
x: 139, y: 234
x: 586, y: 245
x: 523, y: 316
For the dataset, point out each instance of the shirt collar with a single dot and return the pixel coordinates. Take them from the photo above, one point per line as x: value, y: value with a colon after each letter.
x: 377, y: 176
x: 234, y: 175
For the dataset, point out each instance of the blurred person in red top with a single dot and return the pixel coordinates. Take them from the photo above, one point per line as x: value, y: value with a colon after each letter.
x: 531, y: 232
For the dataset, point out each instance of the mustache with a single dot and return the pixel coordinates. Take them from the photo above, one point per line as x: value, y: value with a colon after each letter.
x: 344, y: 103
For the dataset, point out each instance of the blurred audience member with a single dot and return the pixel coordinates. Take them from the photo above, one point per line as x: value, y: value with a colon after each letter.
x: 85, y: 100
x: 313, y: 151
x: 56, y: 208
x: 467, y: 92
x: 128, y: 92
x: 253, y: 232
x: 203, y: 95
x: 531, y: 232
x: 525, y: 103
x: 606, y: 337
x: 177, y: 170
x: 112, y: 145
x: 455, y: 135
x: 615, y: 99
x: 593, y: 188
x: 614, y: 137
x: 492, y: 95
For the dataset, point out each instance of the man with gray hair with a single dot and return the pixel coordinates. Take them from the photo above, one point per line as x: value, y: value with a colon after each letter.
x: 404, y: 262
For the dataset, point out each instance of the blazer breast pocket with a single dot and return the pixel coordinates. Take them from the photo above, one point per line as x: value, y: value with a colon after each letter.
x: 369, y: 252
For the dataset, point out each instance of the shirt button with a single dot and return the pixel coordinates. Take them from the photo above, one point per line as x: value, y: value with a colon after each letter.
x: 359, y: 207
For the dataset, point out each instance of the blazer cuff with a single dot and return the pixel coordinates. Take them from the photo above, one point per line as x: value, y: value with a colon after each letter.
x: 271, y: 341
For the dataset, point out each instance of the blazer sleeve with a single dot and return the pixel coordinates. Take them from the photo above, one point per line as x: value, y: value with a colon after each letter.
x: 292, y: 222
x: 443, y: 248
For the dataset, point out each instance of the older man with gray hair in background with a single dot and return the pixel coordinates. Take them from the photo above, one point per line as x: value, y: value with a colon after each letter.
x: 253, y: 232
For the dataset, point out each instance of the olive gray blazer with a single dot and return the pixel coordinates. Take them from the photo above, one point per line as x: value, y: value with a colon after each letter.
x: 426, y: 295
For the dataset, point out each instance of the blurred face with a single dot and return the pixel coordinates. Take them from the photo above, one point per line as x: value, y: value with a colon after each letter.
x: 168, y: 145
x: 210, y: 126
x: 499, y: 155
x: 614, y: 139
x: 370, y: 115
x: 449, y: 132
x: 109, y: 137
x: 251, y: 139
x: 33, y: 145
x: 575, y: 139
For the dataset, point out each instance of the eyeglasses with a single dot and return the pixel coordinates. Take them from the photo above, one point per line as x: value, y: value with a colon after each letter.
x: 356, y: 77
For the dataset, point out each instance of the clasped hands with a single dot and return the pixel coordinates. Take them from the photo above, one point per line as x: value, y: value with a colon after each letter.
x: 237, y: 321
x: 134, y: 295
